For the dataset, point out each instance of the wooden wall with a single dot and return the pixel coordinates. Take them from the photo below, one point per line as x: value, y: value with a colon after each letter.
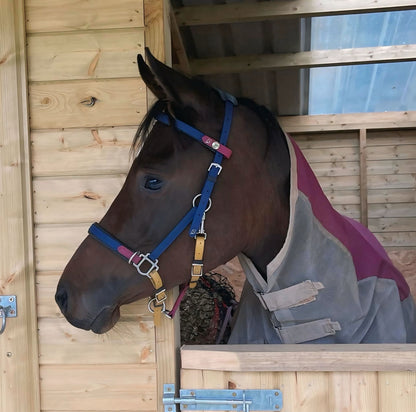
x: 347, y: 378
x: 86, y: 100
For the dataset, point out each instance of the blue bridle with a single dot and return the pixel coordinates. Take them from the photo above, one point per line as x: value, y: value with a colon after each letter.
x: 147, y: 263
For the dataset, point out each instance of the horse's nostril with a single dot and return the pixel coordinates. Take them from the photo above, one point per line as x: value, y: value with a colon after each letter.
x: 61, y: 299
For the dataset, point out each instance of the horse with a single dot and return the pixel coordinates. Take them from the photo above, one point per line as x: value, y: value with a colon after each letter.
x: 215, y: 177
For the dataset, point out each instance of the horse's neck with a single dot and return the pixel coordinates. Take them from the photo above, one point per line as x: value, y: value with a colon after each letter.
x: 274, y: 220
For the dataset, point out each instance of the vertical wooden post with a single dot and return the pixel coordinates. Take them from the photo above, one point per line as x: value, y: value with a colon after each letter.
x: 363, y: 178
x: 19, y: 384
x: 158, y: 39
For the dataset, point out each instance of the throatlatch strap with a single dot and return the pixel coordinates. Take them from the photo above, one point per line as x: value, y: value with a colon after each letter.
x: 197, y: 264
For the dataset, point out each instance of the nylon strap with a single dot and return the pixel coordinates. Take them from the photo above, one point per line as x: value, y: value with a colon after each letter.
x: 197, y: 264
x: 296, y: 295
x: 308, y: 331
x: 213, y: 171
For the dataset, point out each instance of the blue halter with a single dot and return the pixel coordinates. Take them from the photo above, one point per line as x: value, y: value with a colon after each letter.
x: 146, y: 263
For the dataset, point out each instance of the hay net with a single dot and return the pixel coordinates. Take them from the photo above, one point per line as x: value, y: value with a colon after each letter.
x: 206, y: 311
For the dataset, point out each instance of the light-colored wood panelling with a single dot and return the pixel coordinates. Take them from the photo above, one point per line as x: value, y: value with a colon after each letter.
x: 348, y: 121
x: 19, y: 382
x: 64, y: 15
x: 81, y: 151
x: 74, y: 200
x: 87, y: 103
x: 312, y: 378
x: 55, y: 244
x: 391, y: 158
x: 130, y: 342
x: 306, y: 391
x: 98, y: 387
x: 84, y: 55
x: 305, y: 357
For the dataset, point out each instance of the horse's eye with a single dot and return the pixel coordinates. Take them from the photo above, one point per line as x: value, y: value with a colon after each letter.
x: 153, y: 183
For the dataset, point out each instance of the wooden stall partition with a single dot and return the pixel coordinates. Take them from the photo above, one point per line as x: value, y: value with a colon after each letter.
x: 325, y: 378
x: 86, y: 101
x: 19, y: 382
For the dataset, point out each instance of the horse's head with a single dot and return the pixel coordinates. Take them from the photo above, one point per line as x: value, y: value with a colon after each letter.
x: 168, y: 172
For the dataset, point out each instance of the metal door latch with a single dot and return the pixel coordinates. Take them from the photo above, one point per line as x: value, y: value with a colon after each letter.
x: 8, y: 309
x: 222, y: 399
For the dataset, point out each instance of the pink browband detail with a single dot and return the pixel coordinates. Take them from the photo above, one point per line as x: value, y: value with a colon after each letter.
x: 217, y: 146
x: 127, y: 253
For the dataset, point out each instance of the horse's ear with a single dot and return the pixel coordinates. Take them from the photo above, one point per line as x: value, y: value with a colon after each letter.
x: 150, y: 79
x: 170, y: 85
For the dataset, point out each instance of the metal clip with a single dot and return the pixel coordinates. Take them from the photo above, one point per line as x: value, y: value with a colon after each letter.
x: 9, y: 311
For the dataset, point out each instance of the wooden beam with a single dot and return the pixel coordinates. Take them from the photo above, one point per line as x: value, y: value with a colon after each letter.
x: 349, y: 121
x: 314, y: 58
x: 246, y: 12
x: 178, y: 48
x: 363, y: 178
x: 308, y: 357
x: 19, y: 382
x: 157, y: 38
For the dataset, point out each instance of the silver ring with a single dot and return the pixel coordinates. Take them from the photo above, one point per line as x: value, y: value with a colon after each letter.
x: 198, y: 196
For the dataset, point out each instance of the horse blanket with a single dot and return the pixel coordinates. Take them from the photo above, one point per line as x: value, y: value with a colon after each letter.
x: 332, y: 282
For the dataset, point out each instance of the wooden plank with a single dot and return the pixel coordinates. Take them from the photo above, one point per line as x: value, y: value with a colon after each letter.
x: 87, y: 103
x: 364, y: 392
x: 157, y: 37
x: 246, y: 12
x: 46, y: 283
x: 392, y: 137
x: 397, y: 240
x: 391, y: 182
x: 130, y: 342
x: 157, y: 29
x: 396, y: 151
x: 397, y: 391
x: 337, y: 168
x: 389, y: 195
x: 363, y: 178
x: 393, y: 166
x: 81, y: 151
x: 348, y: 121
x: 339, y: 183
x: 55, y: 244
x: 328, y: 140
x: 334, y: 154
x: 392, y: 224
x: 98, y: 387
x: 19, y: 382
x: 306, y: 357
x: 307, y: 59
x: 64, y: 15
x: 74, y: 200
x: 84, y: 55
x: 392, y: 210
x: 178, y: 47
